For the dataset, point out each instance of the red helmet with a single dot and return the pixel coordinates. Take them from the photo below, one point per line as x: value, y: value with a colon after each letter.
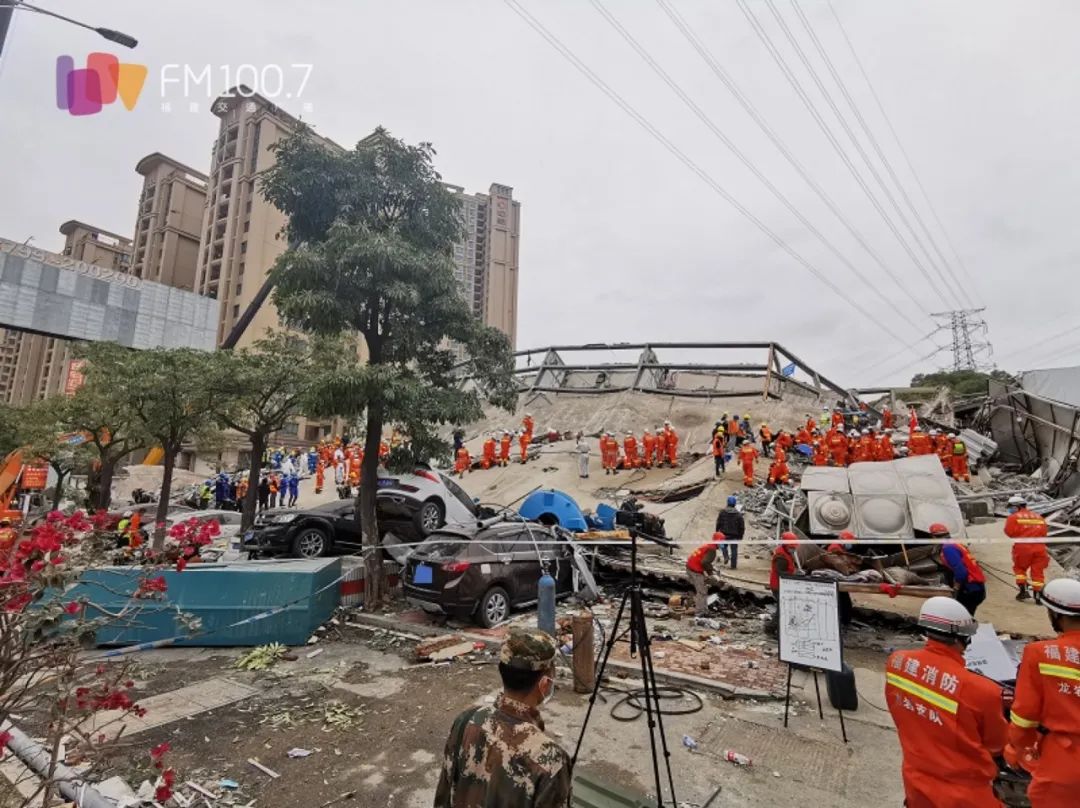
x: 939, y: 530
x: 789, y: 538
x: 846, y: 536
x: 718, y: 536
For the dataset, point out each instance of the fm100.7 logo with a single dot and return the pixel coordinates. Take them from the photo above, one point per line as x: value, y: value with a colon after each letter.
x: 105, y: 79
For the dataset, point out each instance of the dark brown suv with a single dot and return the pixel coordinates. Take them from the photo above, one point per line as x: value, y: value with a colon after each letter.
x: 484, y: 573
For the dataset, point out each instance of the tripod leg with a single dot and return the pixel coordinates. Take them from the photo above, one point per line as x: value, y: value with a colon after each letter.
x: 817, y: 689
x: 843, y: 729
x: 646, y: 655
x: 600, y: 674
x: 639, y: 630
x: 787, y: 696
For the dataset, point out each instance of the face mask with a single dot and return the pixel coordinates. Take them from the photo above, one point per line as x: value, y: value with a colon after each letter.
x: 551, y: 691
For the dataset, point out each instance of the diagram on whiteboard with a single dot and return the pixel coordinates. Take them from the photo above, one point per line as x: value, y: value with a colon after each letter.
x: 810, y: 624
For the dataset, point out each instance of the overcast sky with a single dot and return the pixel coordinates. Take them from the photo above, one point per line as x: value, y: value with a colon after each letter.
x: 620, y: 240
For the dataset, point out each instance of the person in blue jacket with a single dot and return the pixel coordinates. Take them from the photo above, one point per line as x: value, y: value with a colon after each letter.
x: 294, y: 489
x: 968, y: 579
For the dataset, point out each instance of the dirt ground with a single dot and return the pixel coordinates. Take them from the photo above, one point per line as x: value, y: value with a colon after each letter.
x: 375, y: 724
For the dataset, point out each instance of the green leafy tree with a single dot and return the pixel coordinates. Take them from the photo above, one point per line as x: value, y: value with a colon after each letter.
x: 260, y: 390
x: 9, y: 429
x: 173, y: 397
x: 960, y: 382
x: 43, y: 428
x: 371, y: 232
x: 103, y: 411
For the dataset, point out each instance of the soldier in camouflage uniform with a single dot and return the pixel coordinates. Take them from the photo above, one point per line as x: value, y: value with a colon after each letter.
x: 499, y: 756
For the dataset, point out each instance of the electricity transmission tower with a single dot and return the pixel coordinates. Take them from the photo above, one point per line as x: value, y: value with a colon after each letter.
x: 969, y: 337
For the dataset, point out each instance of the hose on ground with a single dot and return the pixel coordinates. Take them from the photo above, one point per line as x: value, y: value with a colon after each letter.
x: 633, y: 700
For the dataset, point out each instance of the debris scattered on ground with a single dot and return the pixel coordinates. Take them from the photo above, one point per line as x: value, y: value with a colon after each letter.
x: 262, y: 657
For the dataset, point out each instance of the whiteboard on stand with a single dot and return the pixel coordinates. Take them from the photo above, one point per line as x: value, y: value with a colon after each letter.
x: 810, y: 623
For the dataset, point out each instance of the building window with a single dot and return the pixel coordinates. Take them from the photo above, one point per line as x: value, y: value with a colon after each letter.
x: 290, y: 430
x: 243, y: 247
x: 247, y: 225
x: 236, y: 311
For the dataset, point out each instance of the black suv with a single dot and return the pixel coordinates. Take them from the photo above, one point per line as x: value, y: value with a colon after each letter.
x: 483, y: 573
x: 304, y: 533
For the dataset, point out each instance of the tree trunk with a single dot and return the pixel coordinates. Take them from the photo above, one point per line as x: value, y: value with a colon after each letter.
x: 58, y: 492
x: 374, y: 577
x: 251, y: 497
x: 168, y: 462
x: 104, y: 481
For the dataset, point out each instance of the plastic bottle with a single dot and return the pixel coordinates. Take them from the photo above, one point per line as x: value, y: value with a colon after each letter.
x: 545, y: 612
x: 736, y: 758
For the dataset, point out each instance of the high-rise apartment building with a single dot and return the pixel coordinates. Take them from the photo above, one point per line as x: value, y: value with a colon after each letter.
x: 242, y: 233
x: 33, y: 366
x: 169, y: 222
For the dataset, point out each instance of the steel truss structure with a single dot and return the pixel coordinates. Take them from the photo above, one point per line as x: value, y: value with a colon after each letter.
x: 770, y: 378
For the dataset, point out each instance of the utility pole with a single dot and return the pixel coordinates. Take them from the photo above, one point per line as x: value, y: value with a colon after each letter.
x: 969, y: 332
x: 9, y: 7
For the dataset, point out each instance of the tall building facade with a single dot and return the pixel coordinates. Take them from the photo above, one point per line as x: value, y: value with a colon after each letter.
x: 169, y: 222
x: 242, y: 232
x: 33, y: 366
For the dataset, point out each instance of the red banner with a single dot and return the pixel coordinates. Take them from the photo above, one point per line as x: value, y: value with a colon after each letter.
x: 74, y: 378
x: 35, y: 477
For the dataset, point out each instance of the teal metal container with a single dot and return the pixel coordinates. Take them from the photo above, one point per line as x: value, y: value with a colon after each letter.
x: 219, y: 595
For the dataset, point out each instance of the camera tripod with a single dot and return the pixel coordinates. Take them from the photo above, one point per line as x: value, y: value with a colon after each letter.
x: 639, y: 644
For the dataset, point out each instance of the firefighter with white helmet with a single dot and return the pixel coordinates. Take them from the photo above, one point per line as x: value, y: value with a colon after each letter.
x: 1044, y: 724
x: 949, y: 720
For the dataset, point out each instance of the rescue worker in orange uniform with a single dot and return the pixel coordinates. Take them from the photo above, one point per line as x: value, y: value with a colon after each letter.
x: 734, y: 431
x: 505, y: 443
x: 838, y: 420
x: 463, y: 462
x: 919, y: 443
x: 630, y: 452
x: 782, y: 563
x: 524, y: 439
x: 1044, y: 725
x: 820, y: 457
x: 885, y: 450
x: 699, y: 568
x: 784, y: 441
x: 960, y: 470
x: 766, y: 439
x: 863, y: 451
x: 719, y: 448
x: 1026, y: 524
x: 671, y: 441
x: 356, y: 460
x: 488, y: 458
x: 661, y: 447
x: 320, y: 474
x: 648, y: 444
x: 528, y: 425
x: 748, y: 453
x: 942, y: 448
x: 779, y: 471
x: 838, y: 447
x: 811, y: 424
x: 609, y: 453
x: 887, y: 420
x: 949, y: 720
x: 803, y: 436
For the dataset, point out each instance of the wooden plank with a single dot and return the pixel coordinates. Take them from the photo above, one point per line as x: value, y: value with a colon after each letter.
x: 584, y: 654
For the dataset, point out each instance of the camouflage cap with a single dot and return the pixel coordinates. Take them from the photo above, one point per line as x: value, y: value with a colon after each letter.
x: 528, y: 650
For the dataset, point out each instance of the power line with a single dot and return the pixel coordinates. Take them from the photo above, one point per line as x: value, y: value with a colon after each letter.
x: 858, y: 146
x: 657, y: 135
x: 734, y: 149
x: 823, y: 53
x: 796, y: 85
x: 903, y: 151
x: 1068, y: 349
x: 879, y: 361
x: 1043, y: 341
x: 938, y: 349
x: 680, y: 23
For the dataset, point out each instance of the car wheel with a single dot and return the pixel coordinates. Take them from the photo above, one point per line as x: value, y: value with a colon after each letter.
x: 310, y: 542
x: 430, y: 517
x: 494, y: 607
